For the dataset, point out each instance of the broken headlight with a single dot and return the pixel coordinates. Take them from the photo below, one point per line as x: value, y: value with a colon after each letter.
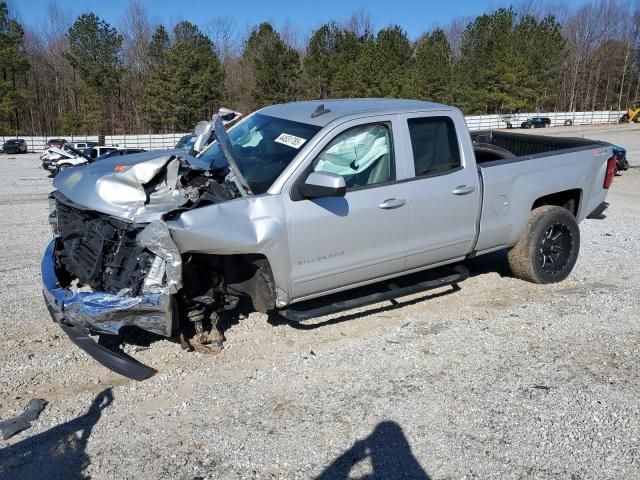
x: 53, y: 217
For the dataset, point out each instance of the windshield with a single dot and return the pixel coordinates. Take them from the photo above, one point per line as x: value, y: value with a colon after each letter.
x: 263, y: 146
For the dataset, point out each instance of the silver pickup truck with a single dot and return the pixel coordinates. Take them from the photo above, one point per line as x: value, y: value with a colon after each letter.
x: 303, y: 200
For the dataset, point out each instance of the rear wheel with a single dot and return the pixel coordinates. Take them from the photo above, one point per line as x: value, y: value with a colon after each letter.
x: 548, y: 248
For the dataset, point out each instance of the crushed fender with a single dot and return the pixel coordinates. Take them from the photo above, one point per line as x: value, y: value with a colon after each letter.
x: 166, y: 271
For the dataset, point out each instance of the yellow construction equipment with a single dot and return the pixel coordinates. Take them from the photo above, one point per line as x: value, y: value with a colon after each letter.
x: 632, y: 115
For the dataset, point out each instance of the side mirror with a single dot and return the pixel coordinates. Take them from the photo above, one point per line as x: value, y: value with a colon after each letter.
x: 323, y: 184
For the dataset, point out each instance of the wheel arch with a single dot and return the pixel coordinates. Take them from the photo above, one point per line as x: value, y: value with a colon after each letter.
x: 244, y: 275
x: 569, y: 199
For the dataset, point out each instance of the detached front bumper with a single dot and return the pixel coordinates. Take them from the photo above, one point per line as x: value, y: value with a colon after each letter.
x: 79, y: 313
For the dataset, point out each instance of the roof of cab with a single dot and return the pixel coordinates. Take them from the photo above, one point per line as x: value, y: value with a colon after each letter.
x: 302, y: 111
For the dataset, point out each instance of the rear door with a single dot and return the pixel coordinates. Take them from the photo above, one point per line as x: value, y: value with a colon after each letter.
x: 340, y: 241
x: 443, y: 189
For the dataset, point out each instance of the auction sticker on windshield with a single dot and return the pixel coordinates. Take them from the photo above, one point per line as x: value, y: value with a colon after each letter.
x: 290, y: 140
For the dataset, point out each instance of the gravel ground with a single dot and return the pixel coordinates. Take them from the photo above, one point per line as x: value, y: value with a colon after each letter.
x: 502, y: 379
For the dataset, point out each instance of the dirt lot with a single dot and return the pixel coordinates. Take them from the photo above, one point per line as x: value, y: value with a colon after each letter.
x: 502, y: 379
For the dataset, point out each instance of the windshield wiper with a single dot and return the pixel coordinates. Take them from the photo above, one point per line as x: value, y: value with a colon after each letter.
x: 235, y: 175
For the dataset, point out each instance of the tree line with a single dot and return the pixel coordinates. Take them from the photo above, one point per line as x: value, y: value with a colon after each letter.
x: 83, y: 75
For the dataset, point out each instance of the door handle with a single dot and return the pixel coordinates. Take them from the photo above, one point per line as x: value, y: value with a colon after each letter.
x: 390, y: 203
x: 463, y: 189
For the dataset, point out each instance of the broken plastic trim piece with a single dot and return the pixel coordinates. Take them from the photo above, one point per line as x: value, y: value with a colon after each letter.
x: 23, y: 421
x: 105, y: 312
x: 165, y: 276
x: 117, y: 362
x: 57, y: 299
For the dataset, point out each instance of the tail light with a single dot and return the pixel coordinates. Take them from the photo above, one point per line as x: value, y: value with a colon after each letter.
x: 611, y: 170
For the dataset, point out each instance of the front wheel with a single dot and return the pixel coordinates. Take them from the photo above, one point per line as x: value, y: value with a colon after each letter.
x: 548, y: 248
x: 61, y: 168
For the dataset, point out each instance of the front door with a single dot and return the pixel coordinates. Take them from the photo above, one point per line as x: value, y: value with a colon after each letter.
x: 340, y: 241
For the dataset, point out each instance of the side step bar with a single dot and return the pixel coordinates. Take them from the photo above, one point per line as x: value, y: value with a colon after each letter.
x: 387, y: 290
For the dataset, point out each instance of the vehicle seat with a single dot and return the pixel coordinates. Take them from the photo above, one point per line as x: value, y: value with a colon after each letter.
x: 433, y: 149
x: 381, y: 171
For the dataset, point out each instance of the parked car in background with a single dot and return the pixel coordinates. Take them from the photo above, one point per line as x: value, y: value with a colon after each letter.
x: 508, y: 119
x: 536, y: 122
x: 56, y: 159
x: 119, y: 151
x: 15, y: 145
x: 83, y: 145
x: 59, y: 159
x: 620, y: 153
x: 186, y: 143
x: 94, y: 152
x: 53, y: 142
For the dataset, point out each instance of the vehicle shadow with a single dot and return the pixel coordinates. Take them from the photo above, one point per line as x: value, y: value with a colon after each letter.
x: 389, y: 454
x: 58, y: 453
x: 491, y: 262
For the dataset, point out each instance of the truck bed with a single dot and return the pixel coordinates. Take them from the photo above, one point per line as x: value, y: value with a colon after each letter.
x: 523, y: 146
x: 516, y: 170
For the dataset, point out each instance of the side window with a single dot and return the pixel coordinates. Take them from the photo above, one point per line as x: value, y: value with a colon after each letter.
x: 363, y: 155
x: 435, y: 145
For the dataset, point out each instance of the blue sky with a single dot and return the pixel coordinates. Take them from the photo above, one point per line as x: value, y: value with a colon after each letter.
x: 414, y: 16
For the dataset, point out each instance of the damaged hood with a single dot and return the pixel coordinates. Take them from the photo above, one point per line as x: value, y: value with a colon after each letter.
x: 57, y: 153
x: 138, y: 187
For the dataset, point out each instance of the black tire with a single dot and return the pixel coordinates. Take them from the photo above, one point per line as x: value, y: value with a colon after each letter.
x: 61, y: 168
x: 568, y: 123
x: 548, y: 248
x: 622, y: 165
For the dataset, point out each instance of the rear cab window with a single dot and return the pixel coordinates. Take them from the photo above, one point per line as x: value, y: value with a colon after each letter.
x: 435, y: 146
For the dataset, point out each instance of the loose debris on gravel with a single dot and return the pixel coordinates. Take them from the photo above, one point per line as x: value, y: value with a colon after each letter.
x: 23, y: 421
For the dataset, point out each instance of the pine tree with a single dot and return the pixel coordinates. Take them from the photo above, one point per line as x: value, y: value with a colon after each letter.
x: 392, y: 64
x: 434, y: 68
x: 186, y: 79
x: 320, y: 63
x: 196, y: 76
x: 276, y: 66
x: 95, y: 54
x: 13, y: 67
x: 157, y: 107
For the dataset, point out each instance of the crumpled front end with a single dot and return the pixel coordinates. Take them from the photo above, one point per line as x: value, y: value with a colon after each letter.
x: 103, y: 312
x: 113, y: 262
x: 103, y: 273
